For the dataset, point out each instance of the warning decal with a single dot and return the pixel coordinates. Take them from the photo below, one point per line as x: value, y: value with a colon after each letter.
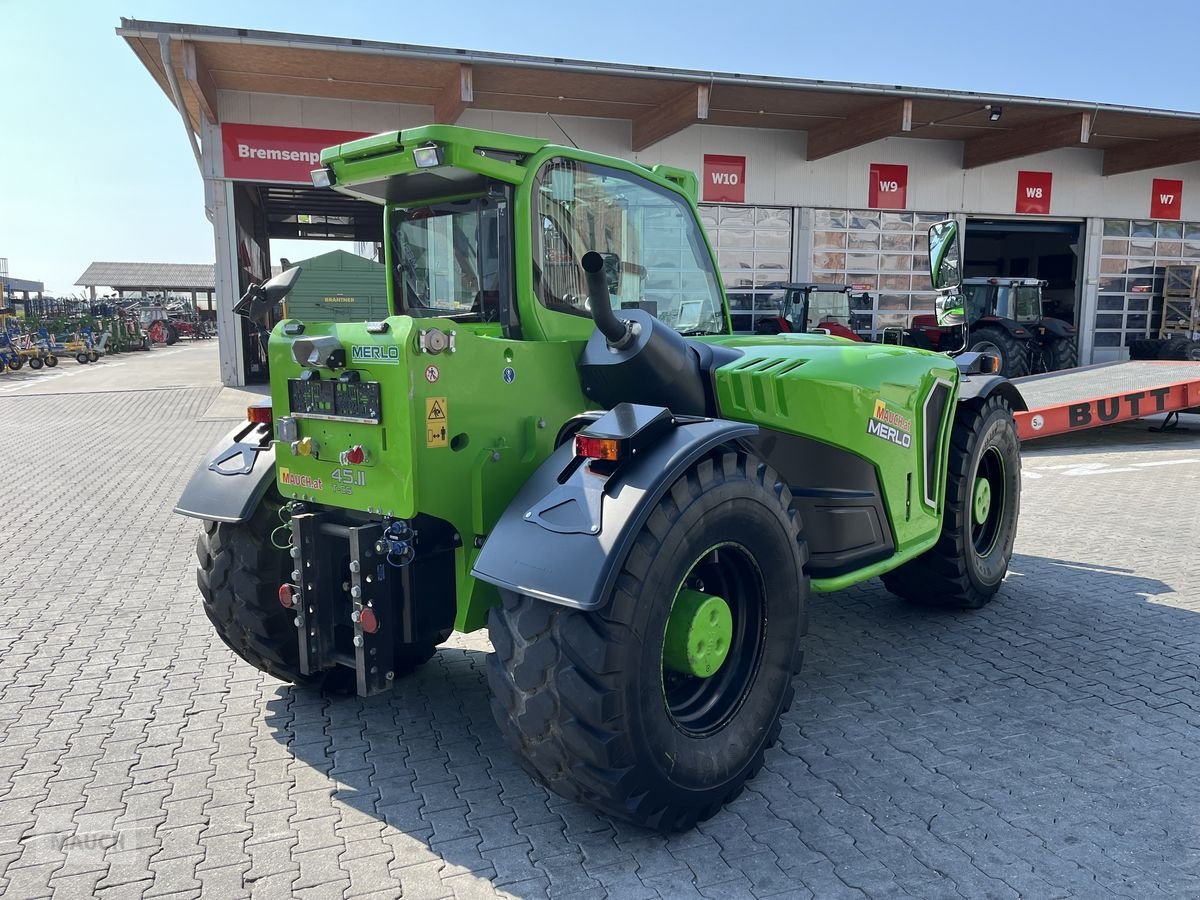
x: 435, y: 421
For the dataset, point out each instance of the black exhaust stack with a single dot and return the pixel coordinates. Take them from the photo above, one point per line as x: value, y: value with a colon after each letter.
x: 638, y: 359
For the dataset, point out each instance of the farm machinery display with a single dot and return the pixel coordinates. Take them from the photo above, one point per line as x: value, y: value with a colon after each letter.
x: 556, y: 436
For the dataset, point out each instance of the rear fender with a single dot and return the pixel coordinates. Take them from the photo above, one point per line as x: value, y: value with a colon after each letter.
x: 568, y: 531
x: 1056, y: 329
x: 233, y: 478
x: 1013, y: 327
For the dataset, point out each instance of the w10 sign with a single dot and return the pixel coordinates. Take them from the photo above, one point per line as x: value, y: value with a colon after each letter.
x: 1166, y: 198
x: 889, y: 186
x: 1033, y: 192
x: 724, y: 179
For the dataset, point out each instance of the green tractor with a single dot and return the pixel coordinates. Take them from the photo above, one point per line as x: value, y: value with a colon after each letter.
x: 1004, y: 319
x: 556, y: 436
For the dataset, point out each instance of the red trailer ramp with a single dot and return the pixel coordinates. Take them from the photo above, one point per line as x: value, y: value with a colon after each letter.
x: 1091, y: 396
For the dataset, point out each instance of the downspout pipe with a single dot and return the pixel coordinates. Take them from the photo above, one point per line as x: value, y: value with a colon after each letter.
x: 164, y: 49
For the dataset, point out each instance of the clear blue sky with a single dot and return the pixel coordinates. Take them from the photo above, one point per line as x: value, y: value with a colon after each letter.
x: 96, y: 164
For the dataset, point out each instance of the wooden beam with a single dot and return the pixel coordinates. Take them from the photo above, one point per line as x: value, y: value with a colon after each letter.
x: 873, y: 124
x: 1070, y: 130
x: 456, y: 96
x: 197, y: 82
x: 1151, y: 155
x: 686, y: 108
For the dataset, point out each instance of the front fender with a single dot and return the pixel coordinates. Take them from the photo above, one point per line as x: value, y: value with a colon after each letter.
x: 232, y: 479
x: 980, y: 387
x: 1057, y: 329
x: 566, y: 534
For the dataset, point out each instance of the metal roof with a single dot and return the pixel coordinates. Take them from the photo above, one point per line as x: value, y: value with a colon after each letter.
x: 658, y: 101
x: 141, y: 276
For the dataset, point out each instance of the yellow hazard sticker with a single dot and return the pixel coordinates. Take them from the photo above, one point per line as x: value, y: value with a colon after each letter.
x: 436, y: 422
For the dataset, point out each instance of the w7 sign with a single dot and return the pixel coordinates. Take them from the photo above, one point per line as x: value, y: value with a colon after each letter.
x: 1166, y: 198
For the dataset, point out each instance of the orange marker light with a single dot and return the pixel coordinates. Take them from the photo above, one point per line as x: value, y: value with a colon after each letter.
x: 597, y: 448
x: 259, y: 415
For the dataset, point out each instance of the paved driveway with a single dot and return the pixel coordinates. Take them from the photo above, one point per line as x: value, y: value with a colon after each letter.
x: 1045, y: 747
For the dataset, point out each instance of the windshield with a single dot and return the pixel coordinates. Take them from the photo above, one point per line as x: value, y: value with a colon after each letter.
x: 829, y: 306
x: 447, y: 259
x: 655, y: 257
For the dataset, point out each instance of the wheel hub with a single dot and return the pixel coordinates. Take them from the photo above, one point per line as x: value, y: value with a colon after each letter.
x: 982, y: 501
x: 699, y: 632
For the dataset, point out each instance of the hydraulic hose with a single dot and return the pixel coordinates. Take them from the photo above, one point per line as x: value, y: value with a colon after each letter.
x: 616, y: 330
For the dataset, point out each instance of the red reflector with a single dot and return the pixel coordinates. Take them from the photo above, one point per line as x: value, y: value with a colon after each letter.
x: 597, y: 448
x: 368, y: 621
x: 259, y: 415
x: 355, y: 455
x: 287, y: 596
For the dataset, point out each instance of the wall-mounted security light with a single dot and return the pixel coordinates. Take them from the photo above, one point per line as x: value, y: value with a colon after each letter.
x: 994, y: 112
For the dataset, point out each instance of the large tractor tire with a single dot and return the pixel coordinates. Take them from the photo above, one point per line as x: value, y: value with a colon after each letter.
x: 964, y: 569
x: 239, y: 576
x: 1060, y: 353
x: 1181, y: 349
x: 1145, y: 348
x: 171, y: 334
x: 996, y: 340
x: 600, y: 706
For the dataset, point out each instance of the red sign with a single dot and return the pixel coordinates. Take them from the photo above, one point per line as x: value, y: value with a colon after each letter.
x: 724, y: 179
x: 275, y: 153
x: 1033, y: 192
x: 1166, y: 198
x: 889, y: 186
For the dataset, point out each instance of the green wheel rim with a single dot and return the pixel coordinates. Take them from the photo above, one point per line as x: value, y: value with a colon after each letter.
x: 982, y: 502
x: 988, y: 501
x: 721, y: 604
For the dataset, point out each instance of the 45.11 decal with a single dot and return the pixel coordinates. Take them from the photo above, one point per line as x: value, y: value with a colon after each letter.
x: 346, y: 480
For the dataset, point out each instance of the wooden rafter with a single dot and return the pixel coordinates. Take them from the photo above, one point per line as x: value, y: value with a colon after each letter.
x: 197, y: 83
x: 457, y: 94
x: 1071, y: 130
x: 865, y: 127
x: 685, y: 108
x: 1152, y: 154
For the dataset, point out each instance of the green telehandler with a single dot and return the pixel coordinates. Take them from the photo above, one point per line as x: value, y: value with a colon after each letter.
x: 556, y: 436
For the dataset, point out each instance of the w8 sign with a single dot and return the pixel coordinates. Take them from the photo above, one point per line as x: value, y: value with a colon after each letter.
x: 724, y: 179
x: 1033, y: 192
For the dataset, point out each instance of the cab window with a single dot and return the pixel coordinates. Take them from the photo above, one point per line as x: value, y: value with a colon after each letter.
x: 655, y: 257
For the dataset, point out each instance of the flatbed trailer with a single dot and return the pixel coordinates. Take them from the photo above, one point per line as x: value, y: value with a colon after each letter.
x: 1092, y: 396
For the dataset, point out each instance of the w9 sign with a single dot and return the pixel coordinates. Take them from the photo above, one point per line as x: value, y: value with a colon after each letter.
x: 889, y: 186
x: 724, y: 179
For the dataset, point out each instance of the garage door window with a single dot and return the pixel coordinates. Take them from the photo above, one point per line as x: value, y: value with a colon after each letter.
x: 884, y: 253
x: 754, y: 253
x: 1133, y: 253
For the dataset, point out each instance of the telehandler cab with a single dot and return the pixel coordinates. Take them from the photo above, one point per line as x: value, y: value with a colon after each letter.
x: 556, y: 436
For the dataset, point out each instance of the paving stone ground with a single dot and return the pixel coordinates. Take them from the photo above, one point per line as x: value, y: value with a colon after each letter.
x: 1048, y: 746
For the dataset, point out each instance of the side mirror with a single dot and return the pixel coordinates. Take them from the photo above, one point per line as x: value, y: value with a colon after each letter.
x: 949, y: 310
x: 945, y: 256
x: 260, y: 299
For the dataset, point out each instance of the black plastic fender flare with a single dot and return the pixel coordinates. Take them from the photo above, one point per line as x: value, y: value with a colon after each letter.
x: 234, y: 476
x: 980, y: 387
x: 568, y: 531
x: 1013, y: 327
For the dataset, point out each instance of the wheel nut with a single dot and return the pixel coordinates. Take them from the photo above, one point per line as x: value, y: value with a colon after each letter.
x: 356, y: 592
x: 355, y: 567
x: 355, y: 616
x: 358, y: 641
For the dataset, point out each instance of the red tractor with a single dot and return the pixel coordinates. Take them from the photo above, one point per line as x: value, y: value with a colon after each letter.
x: 831, y: 306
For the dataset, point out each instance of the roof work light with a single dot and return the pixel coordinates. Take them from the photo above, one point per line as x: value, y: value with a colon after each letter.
x: 427, y: 155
